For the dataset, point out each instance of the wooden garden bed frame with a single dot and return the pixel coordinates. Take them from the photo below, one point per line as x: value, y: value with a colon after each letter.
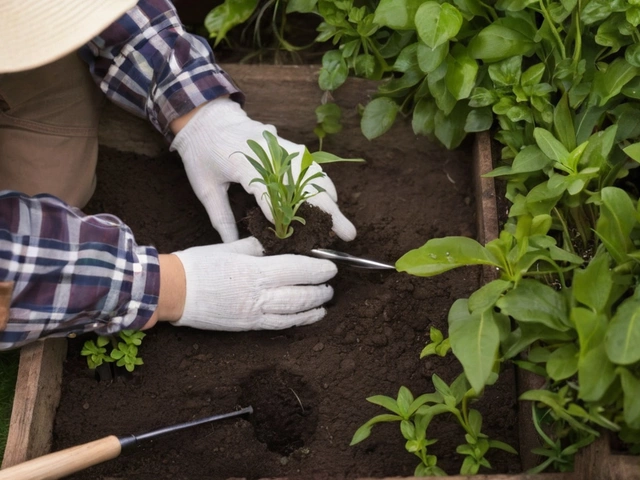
x: 40, y: 370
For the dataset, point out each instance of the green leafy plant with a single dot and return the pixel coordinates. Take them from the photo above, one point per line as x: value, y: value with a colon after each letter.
x: 558, y: 83
x: 96, y: 352
x: 285, y: 191
x: 124, y: 353
x: 246, y: 13
x: 415, y: 415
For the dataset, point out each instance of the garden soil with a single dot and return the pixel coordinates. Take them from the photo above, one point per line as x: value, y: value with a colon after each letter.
x: 308, y: 385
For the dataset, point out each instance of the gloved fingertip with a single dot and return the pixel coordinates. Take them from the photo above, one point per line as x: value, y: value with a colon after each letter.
x: 250, y: 246
x: 344, y: 229
x: 228, y: 233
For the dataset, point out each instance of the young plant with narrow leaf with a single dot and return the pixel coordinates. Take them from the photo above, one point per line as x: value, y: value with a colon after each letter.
x: 285, y: 191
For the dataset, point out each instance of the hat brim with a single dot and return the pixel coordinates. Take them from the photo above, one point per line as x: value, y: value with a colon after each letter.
x: 36, y: 32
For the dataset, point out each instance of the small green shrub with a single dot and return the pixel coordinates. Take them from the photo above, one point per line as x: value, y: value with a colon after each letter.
x: 124, y: 353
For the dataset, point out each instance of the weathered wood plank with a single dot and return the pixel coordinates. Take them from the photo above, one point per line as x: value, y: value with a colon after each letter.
x: 36, y: 400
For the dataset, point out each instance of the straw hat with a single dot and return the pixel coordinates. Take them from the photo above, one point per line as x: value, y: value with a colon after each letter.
x: 36, y: 32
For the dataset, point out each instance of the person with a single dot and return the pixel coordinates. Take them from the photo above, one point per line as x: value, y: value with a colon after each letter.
x: 64, y: 273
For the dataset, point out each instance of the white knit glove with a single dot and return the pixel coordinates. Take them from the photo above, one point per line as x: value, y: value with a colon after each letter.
x: 212, y: 144
x: 232, y: 287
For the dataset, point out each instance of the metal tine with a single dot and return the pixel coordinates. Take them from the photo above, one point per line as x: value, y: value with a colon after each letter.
x: 352, y: 260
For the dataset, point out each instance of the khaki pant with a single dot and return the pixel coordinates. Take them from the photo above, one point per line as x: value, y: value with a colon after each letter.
x: 49, y: 131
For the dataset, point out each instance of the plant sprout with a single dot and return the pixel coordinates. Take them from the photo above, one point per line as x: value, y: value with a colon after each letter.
x: 286, y: 192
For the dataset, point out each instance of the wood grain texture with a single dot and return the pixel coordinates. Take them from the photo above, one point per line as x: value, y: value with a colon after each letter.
x: 36, y: 399
x: 62, y: 463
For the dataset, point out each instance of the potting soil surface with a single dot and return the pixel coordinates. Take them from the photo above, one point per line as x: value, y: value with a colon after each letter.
x: 308, y: 385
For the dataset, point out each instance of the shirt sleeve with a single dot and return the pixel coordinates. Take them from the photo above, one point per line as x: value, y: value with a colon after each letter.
x: 72, y: 273
x: 147, y: 64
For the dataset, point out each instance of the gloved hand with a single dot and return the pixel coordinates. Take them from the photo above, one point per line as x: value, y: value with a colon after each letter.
x: 212, y: 144
x: 232, y: 287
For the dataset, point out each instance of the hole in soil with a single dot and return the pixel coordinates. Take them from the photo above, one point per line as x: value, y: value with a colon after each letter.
x: 285, y: 414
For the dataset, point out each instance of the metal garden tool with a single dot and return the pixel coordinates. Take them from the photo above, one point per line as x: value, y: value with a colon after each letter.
x: 71, y: 460
x: 352, y: 260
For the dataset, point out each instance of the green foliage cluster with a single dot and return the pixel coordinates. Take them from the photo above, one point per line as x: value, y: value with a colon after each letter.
x: 561, y: 79
x: 124, y: 353
x: 558, y: 83
x: 415, y: 415
x: 247, y: 13
x: 286, y: 191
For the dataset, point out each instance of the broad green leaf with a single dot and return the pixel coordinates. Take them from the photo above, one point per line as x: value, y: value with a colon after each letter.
x: 632, y: 55
x: 378, y: 117
x: 529, y: 159
x: 528, y: 333
x: 479, y: 120
x: 226, y: 16
x: 407, y: 59
x: 630, y: 388
x: 461, y: 72
x: 396, y: 14
x: 405, y: 399
x: 475, y: 422
x: 599, y: 148
x: 386, y: 402
x: 617, y: 219
x: 441, y: 254
x: 543, y: 198
x: 474, y: 340
x: 487, y: 295
x: 301, y: 6
x: 431, y: 58
x: 514, y: 5
x: 407, y: 429
x: 563, y: 124
x: 449, y: 129
x: 502, y: 446
x: 441, y: 386
x: 497, y: 42
x: 609, y: 83
x: 595, y: 374
x: 533, y: 75
x: 436, y: 23
x: 563, y: 362
x: 365, y: 430
x: 439, y: 90
x: 507, y: 72
x: 592, y: 285
x: 627, y: 118
x: 623, y: 334
x: 334, y: 70
x: 633, y: 151
x: 424, y: 115
x: 535, y: 302
x: 550, y: 145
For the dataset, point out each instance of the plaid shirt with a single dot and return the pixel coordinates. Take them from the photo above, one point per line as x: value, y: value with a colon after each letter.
x: 71, y: 272
x: 74, y: 273
x: 147, y: 64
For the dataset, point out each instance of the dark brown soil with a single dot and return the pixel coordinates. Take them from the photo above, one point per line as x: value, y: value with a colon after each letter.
x: 307, y: 385
x: 314, y: 233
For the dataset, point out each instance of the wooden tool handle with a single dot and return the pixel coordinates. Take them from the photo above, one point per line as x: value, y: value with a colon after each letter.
x: 65, y: 462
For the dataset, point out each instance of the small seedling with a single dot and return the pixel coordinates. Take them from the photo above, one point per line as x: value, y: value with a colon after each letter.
x: 286, y: 192
x: 415, y: 415
x: 96, y: 352
x: 124, y: 353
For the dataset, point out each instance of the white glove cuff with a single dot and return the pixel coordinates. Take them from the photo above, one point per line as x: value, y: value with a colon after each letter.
x: 214, y: 117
